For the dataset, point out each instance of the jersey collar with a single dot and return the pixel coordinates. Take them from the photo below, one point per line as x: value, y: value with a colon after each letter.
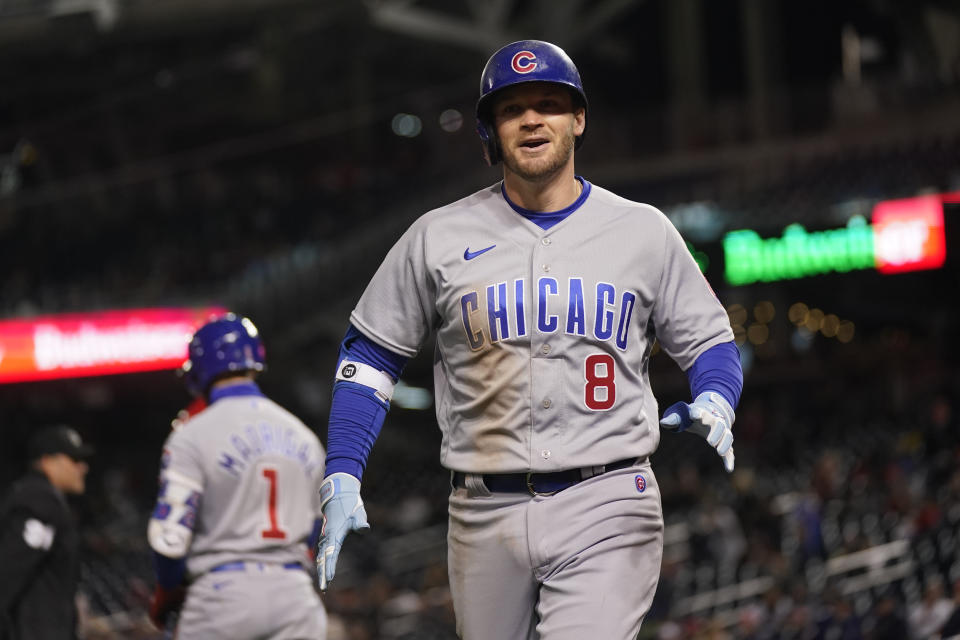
x: 562, y: 213
x: 233, y: 390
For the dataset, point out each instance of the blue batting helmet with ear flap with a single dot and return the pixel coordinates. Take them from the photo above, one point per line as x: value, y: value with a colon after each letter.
x: 223, y: 346
x: 518, y: 62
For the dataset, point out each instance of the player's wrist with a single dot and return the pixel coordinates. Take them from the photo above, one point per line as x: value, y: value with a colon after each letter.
x: 344, y: 464
x: 338, y: 484
x: 343, y: 476
x: 718, y: 401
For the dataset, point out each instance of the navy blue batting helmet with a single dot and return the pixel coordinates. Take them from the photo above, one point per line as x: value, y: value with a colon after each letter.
x: 518, y: 62
x: 226, y: 345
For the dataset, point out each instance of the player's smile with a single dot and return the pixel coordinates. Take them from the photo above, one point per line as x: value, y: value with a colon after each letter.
x: 530, y: 118
x: 536, y: 144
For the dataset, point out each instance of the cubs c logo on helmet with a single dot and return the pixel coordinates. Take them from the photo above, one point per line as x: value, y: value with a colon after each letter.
x: 524, y: 61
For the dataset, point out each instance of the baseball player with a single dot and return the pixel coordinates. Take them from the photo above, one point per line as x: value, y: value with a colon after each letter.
x: 238, y: 506
x: 545, y: 293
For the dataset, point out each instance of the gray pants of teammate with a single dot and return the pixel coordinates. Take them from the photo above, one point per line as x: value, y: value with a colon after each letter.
x: 583, y: 563
x: 273, y: 603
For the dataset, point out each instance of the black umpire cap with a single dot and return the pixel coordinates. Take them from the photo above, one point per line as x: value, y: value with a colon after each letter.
x: 59, y: 439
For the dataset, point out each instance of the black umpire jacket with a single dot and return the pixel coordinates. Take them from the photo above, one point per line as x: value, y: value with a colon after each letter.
x: 39, y: 562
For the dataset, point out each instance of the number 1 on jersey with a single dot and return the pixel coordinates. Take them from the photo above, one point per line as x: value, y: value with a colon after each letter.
x: 274, y: 532
x: 600, y: 392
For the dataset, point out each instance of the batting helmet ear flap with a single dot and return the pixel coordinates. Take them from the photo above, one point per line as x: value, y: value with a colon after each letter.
x: 489, y: 142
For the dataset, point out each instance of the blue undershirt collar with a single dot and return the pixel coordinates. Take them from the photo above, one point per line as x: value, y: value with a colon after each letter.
x: 547, y: 219
x: 232, y: 390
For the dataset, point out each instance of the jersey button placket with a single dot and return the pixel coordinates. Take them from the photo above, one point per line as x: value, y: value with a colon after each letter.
x: 545, y: 242
x: 544, y: 369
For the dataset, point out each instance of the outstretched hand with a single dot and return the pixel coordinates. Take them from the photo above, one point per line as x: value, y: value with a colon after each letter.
x: 710, y: 417
x: 343, y: 512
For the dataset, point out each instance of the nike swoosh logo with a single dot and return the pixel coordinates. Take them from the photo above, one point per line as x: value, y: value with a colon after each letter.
x: 470, y: 255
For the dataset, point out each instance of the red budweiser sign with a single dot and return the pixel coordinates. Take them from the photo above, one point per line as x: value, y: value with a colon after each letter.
x: 99, y: 343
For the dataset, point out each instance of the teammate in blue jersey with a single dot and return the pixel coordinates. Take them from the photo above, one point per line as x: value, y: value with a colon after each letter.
x: 546, y: 294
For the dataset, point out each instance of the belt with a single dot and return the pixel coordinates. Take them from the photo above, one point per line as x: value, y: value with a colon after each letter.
x: 254, y: 566
x: 543, y: 484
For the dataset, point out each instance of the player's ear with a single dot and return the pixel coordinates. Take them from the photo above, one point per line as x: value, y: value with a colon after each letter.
x: 579, y: 121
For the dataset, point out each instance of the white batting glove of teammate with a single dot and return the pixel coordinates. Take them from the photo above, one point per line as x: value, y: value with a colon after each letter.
x: 710, y: 417
x: 343, y: 512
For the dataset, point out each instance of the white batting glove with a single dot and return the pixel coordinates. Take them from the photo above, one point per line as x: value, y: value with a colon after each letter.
x: 343, y: 512
x: 710, y: 417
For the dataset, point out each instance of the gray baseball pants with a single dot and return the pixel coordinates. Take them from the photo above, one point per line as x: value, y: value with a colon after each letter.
x: 583, y: 563
x: 265, y: 602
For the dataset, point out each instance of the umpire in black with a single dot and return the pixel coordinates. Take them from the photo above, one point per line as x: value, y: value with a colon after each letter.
x: 39, y: 553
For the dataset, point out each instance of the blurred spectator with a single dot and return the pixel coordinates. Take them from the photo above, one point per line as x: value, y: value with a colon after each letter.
x: 762, y: 620
x: 951, y: 628
x: 752, y: 507
x: 750, y: 624
x: 39, y: 541
x: 717, y: 525
x: 929, y: 614
x: 798, y: 625
x: 841, y: 622
x: 808, y: 524
x: 941, y: 440
x: 713, y: 630
x: 888, y: 621
x: 670, y: 630
x: 664, y: 597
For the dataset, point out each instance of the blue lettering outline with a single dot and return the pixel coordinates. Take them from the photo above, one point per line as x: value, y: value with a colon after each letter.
x: 554, y: 320
x: 626, y: 311
x: 606, y: 310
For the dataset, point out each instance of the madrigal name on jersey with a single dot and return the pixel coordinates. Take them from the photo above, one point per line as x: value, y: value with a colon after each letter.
x: 253, y: 442
x: 496, y: 312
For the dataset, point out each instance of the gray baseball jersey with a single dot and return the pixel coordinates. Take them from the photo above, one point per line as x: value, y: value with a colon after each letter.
x: 543, y: 337
x: 253, y: 468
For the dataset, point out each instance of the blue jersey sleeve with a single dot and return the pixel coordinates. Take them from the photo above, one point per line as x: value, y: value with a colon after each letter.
x: 718, y: 369
x: 356, y: 414
x: 359, y: 348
